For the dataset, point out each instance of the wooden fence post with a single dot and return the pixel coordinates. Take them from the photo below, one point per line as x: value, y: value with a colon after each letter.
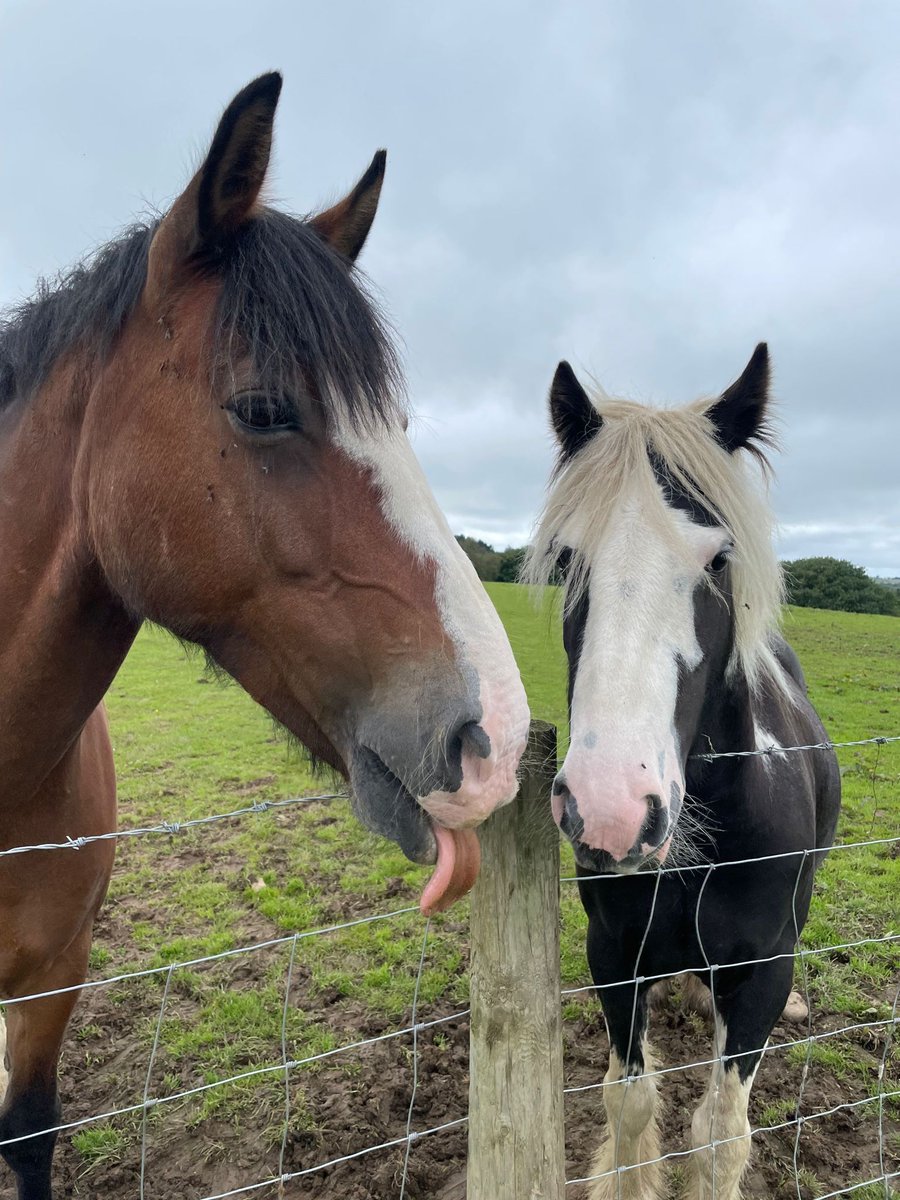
x: 516, y: 1141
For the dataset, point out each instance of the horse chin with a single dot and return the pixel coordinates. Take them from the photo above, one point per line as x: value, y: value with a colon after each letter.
x: 384, y: 805
x: 601, y: 862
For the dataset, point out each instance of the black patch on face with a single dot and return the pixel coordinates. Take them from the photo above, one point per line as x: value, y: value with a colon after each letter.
x: 574, y: 625
x: 713, y: 618
x: 678, y: 498
x: 702, y: 688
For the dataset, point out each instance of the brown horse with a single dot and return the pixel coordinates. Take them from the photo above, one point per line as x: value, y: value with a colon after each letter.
x: 203, y: 427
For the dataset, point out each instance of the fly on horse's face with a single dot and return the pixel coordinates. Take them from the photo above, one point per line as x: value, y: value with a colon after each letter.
x: 248, y: 483
x: 649, y: 618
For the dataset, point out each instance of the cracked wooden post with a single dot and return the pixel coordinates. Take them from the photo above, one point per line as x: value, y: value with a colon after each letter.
x: 516, y: 1143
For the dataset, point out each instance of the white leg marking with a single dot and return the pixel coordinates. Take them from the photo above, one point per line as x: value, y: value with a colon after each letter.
x: 717, y: 1162
x: 4, y: 1074
x: 631, y: 1137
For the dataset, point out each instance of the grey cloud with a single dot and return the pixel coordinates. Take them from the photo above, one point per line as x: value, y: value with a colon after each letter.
x: 646, y: 190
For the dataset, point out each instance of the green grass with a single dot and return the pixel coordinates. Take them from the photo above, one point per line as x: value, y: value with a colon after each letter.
x: 99, y: 1144
x: 186, y: 747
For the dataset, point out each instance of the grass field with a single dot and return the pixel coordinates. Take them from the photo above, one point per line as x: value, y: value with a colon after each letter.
x: 186, y: 746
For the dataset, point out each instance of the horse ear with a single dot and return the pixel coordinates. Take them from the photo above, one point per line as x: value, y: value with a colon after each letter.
x: 740, y: 415
x: 223, y: 193
x: 346, y: 225
x: 575, y: 420
x: 232, y: 176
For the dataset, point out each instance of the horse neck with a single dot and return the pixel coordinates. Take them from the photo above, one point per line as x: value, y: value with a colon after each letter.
x: 726, y: 722
x: 64, y: 634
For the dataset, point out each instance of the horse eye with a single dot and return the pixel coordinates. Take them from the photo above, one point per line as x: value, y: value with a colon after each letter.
x: 260, y: 413
x: 719, y: 562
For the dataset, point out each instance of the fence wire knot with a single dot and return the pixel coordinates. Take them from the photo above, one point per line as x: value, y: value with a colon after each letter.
x: 76, y: 843
x: 172, y: 826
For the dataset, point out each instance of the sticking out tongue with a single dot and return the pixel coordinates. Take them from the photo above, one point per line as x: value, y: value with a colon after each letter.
x: 458, y: 860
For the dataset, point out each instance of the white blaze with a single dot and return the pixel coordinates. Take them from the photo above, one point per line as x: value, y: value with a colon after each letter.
x: 469, y: 619
x: 639, y: 629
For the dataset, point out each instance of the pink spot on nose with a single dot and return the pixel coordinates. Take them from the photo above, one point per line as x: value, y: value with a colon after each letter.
x: 613, y: 802
x: 617, y: 835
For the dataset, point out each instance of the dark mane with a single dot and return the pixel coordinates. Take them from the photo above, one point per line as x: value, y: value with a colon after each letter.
x: 87, y: 305
x: 300, y: 312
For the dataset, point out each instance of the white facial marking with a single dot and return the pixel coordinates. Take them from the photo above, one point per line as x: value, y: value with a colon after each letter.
x: 639, y: 630
x: 469, y: 619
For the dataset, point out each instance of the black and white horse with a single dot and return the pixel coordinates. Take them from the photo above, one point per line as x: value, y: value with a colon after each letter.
x: 659, y: 522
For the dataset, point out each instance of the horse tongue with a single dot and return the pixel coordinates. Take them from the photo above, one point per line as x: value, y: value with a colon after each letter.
x: 458, y: 860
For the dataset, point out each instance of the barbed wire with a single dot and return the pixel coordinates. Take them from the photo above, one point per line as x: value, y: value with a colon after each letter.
x: 171, y: 827
x: 162, y: 828
x: 737, y: 862
x: 776, y: 749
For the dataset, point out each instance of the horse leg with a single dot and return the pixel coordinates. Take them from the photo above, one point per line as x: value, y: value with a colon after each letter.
x: 720, y: 1129
x: 629, y: 1098
x: 34, y: 1032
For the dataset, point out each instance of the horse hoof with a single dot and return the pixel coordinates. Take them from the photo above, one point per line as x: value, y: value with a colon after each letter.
x: 796, y: 1009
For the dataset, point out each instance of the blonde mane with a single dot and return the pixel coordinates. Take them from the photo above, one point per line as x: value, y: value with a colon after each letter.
x: 616, y: 463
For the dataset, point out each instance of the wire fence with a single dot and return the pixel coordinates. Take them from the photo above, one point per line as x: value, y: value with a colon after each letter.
x: 881, y: 1030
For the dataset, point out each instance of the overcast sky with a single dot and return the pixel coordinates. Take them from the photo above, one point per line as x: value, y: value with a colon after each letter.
x: 646, y: 189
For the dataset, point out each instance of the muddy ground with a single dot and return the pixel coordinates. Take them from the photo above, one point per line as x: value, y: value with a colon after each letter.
x: 360, y: 1099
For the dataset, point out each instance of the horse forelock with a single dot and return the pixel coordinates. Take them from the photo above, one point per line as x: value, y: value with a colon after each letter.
x: 626, y: 459
x: 289, y: 303
x: 305, y: 317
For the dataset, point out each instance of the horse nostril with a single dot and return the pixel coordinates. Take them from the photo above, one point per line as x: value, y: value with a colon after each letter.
x: 466, y: 736
x: 656, y: 826
x: 474, y: 738
x: 571, y: 821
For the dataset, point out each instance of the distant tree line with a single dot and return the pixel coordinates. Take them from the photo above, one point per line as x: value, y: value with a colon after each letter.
x: 837, y: 584
x: 811, y: 582
x: 493, y: 566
